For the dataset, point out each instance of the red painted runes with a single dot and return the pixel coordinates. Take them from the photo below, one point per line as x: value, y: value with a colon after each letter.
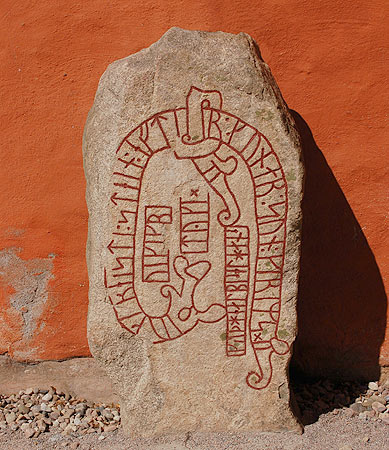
x: 221, y: 149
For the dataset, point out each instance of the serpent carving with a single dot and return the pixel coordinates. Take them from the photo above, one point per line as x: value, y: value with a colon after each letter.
x: 227, y: 153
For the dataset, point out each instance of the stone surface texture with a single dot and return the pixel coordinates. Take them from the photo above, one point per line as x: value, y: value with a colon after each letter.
x: 194, y: 187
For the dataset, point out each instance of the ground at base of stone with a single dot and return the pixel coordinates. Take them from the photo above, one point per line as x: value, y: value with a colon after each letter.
x: 337, y: 415
x: 331, y: 431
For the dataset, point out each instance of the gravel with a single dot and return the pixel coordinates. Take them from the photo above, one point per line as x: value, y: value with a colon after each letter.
x: 339, y: 416
x: 367, y: 401
x: 33, y: 411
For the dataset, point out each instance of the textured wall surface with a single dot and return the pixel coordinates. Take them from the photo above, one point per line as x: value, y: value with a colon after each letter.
x: 330, y: 61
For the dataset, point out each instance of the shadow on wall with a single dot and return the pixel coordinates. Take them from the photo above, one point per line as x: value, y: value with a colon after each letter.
x: 342, y: 303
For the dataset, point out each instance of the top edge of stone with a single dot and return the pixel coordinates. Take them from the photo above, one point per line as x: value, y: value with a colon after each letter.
x: 179, y: 32
x: 177, y: 36
x: 174, y: 47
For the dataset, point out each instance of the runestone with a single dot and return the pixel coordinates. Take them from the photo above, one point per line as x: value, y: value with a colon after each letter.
x: 194, y: 187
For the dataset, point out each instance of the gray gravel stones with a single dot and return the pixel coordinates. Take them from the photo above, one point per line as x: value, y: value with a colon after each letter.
x: 367, y: 402
x: 357, y: 407
x: 74, y: 417
x: 373, y: 386
x: 378, y: 407
x: 10, y: 417
x: 35, y: 411
x: 47, y: 397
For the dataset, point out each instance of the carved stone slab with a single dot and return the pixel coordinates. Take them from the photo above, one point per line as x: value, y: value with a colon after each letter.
x: 194, y: 184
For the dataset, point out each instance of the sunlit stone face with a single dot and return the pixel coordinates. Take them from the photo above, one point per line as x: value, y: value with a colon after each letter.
x: 193, y: 251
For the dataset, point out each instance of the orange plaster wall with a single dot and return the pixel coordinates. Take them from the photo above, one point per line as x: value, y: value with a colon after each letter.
x: 329, y: 59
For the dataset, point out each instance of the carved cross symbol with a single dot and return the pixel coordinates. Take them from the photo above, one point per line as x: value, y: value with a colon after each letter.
x: 238, y: 254
x: 234, y: 320
x: 257, y: 337
x: 194, y: 192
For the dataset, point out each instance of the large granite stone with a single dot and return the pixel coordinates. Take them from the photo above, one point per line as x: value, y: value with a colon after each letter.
x: 194, y: 185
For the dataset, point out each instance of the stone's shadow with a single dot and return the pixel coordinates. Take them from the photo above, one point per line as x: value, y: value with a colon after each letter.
x: 342, y: 303
x: 324, y: 396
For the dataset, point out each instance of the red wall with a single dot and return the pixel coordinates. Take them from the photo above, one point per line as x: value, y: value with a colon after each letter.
x: 329, y: 59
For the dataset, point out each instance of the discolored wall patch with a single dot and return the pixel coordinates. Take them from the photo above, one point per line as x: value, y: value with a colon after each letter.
x: 27, y: 282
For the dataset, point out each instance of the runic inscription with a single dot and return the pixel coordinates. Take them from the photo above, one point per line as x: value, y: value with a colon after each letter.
x: 236, y: 287
x: 194, y: 229
x: 155, y: 257
x: 176, y: 245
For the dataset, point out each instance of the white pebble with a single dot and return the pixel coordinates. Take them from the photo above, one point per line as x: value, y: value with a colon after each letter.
x: 373, y: 386
x: 45, y: 407
x: 47, y: 397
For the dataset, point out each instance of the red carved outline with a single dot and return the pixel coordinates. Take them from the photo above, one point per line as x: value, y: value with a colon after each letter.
x: 182, y: 237
x: 237, y: 302
x: 144, y: 256
x: 256, y: 379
